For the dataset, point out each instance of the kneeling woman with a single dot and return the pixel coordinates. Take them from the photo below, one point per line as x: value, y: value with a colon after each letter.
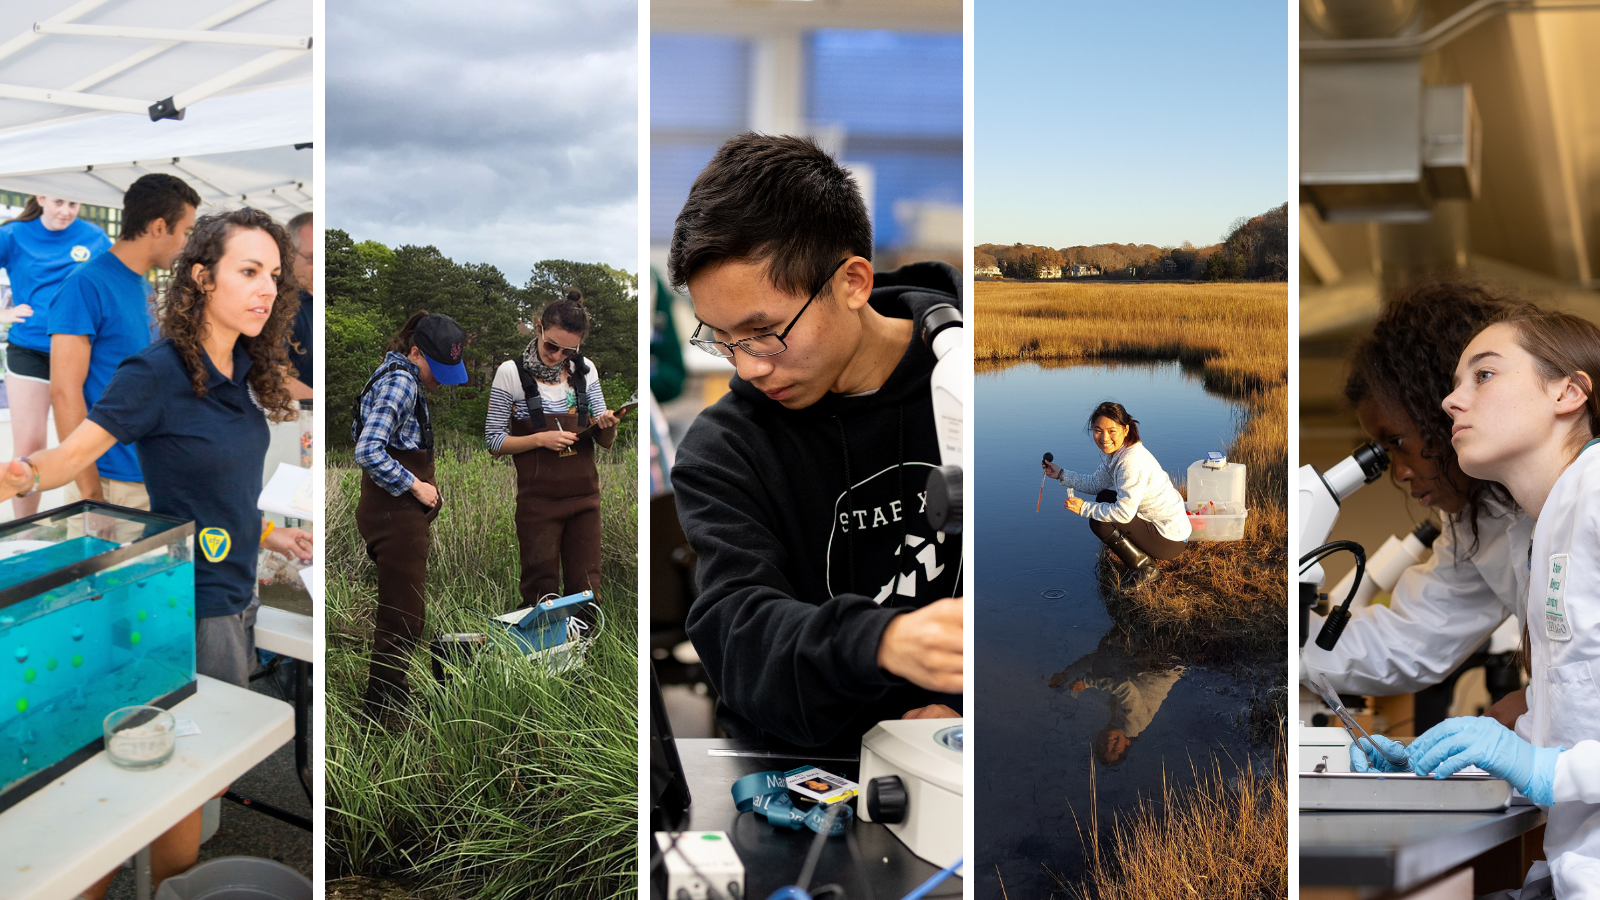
x: 540, y: 411
x: 1136, y: 510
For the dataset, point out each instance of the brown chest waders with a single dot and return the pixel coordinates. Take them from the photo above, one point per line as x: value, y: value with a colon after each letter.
x: 396, y: 533
x: 558, y: 512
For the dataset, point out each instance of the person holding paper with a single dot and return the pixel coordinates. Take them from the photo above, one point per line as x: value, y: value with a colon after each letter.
x: 546, y: 411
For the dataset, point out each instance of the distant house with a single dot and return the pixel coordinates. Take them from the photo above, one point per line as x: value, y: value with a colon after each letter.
x: 1133, y: 271
x: 987, y: 271
x: 1168, y: 265
x: 1049, y: 271
x: 1082, y: 271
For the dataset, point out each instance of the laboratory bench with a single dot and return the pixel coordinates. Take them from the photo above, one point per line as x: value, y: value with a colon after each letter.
x: 773, y: 856
x: 1416, y: 854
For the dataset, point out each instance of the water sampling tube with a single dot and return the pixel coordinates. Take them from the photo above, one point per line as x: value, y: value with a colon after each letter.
x: 1048, y: 457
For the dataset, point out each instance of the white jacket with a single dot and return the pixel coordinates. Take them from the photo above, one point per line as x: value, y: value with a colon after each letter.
x: 1564, y: 689
x: 1143, y: 490
x: 1440, y: 611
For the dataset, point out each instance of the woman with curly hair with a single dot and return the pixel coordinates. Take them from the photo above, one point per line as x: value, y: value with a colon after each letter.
x: 196, y: 406
x: 1444, y: 608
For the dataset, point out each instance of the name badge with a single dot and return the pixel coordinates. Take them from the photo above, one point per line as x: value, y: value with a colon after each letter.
x: 1555, y: 605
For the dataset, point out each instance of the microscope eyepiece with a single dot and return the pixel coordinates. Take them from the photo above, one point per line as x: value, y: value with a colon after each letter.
x: 1372, y: 460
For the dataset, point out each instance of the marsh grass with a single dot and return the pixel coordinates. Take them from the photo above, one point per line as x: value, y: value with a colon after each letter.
x: 1225, y: 837
x: 1217, y: 599
x: 512, y: 780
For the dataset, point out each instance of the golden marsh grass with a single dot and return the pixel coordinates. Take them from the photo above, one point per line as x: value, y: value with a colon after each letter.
x: 1222, y: 597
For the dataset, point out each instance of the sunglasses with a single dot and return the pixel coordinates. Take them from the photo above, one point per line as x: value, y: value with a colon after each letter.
x: 552, y: 348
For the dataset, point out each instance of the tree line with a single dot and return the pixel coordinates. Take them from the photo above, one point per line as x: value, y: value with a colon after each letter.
x: 372, y: 289
x: 1254, y: 248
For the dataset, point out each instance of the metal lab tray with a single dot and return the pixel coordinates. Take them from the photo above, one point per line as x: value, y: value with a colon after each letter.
x: 1370, y: 792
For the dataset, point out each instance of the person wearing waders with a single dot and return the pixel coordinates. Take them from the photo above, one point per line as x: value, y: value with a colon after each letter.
x: 551, y: 442
x: 399, y: 493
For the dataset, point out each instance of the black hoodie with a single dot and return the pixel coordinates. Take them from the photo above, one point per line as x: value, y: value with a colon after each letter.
x: 811, y: 535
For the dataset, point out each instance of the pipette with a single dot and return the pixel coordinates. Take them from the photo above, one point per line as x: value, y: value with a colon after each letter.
x: 1351, y: 726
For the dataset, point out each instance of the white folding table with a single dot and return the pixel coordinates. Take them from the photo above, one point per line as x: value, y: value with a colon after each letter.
x: 67, y: 836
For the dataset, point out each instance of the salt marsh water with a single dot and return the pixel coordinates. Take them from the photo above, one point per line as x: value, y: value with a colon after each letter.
x: 1055, y: 679
x: 68, y: 657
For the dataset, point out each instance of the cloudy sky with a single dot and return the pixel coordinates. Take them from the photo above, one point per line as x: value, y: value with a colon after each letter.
x: 504, y: 133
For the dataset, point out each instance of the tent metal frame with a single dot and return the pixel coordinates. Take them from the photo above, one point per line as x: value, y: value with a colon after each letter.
x: 284, y: 49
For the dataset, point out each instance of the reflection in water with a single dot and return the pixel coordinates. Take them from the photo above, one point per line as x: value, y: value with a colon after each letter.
x: 1041, y: 626
x: 1135, y: 687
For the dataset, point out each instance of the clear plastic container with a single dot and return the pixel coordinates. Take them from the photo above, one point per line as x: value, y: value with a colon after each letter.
x: 140, y: 737
x: 96, y: 613
x: 1214, y: 521
x: 1210, y: 483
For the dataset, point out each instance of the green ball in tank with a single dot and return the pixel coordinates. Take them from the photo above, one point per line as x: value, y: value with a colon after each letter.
x: 29, y: 674
x: 172, y: 602
x: 22, y: 704
x: 143, y: 615
x: 77, y: 661
x: 134, y: 638
x: 50, y: 664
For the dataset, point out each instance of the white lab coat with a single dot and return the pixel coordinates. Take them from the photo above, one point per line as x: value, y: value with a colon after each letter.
x: 1143, y: 489
x: 1439, y: 612
x: 1564, y: 688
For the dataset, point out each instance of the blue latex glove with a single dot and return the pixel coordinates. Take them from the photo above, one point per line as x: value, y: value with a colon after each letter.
x: 1364, y: 757
x: 1454, y: 744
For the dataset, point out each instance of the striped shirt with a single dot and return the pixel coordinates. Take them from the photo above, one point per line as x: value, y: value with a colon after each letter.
x: 388, y: 416
x: 507, y: 400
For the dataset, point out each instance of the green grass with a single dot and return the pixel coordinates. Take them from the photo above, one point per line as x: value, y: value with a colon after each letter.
x: 512, y: 781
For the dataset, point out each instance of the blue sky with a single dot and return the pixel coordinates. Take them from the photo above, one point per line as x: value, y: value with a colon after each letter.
x: 1135, y: 121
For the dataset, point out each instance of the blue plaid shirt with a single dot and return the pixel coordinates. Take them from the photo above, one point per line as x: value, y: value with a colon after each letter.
x: 388, y: 416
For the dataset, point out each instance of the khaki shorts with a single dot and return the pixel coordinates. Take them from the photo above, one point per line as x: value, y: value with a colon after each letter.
x: 131, y: 494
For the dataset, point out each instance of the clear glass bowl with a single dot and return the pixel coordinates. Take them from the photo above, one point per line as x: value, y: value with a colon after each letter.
x: 140, y: 737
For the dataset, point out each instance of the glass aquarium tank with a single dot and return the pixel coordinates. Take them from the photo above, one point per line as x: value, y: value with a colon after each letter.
x: 96, y: 613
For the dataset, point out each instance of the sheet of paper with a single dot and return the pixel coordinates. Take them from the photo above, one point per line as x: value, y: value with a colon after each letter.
x: 288, y: 493
x: 311, y: 577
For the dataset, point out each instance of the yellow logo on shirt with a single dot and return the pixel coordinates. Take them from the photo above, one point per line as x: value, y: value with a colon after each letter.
x: 80, y: 253
x: 214, y: 543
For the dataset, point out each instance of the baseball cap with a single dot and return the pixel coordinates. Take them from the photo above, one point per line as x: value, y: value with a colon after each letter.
x: 441, y: 340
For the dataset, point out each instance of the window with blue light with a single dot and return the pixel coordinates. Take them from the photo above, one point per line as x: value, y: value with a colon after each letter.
x: 699, y: 97
x: 897, y: 96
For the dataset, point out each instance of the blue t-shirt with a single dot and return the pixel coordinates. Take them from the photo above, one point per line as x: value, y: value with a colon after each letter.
x: 38, y: 260
x: 202, y: 459
x: 110, y: 303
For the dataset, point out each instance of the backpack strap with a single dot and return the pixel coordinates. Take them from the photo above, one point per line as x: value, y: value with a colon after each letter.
x: 420, y: 410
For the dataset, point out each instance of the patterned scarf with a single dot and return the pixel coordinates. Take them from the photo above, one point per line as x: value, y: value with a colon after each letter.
x: 530, y: 357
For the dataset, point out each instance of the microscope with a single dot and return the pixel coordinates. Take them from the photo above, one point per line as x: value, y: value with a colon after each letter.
x: 1320, y: 496
x: 911, y: 771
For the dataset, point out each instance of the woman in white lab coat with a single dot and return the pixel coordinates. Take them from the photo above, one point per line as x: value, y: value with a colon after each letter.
x: 1444, y: 608
x: 1526, y: 414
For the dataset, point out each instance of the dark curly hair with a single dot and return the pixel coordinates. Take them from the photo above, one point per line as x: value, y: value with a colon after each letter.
x: 1114, y: 411
x: 183, y: 309
x: 1408, y: 363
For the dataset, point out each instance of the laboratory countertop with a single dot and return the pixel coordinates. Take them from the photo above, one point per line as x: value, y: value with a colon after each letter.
x: 1400, y: 850
x: 772, y: 856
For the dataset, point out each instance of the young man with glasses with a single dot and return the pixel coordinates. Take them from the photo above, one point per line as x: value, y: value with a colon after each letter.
x: 826, y: 601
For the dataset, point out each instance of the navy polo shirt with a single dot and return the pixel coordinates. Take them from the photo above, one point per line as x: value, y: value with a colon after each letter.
x: 202, y: 459
x: 110, y: 304
x: 300, y: 335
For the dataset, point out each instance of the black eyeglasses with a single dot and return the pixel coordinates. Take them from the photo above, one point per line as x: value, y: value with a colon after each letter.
x: 761, y: 344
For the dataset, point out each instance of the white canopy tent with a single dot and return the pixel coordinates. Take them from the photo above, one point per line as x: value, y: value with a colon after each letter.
x: 83, y: 86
